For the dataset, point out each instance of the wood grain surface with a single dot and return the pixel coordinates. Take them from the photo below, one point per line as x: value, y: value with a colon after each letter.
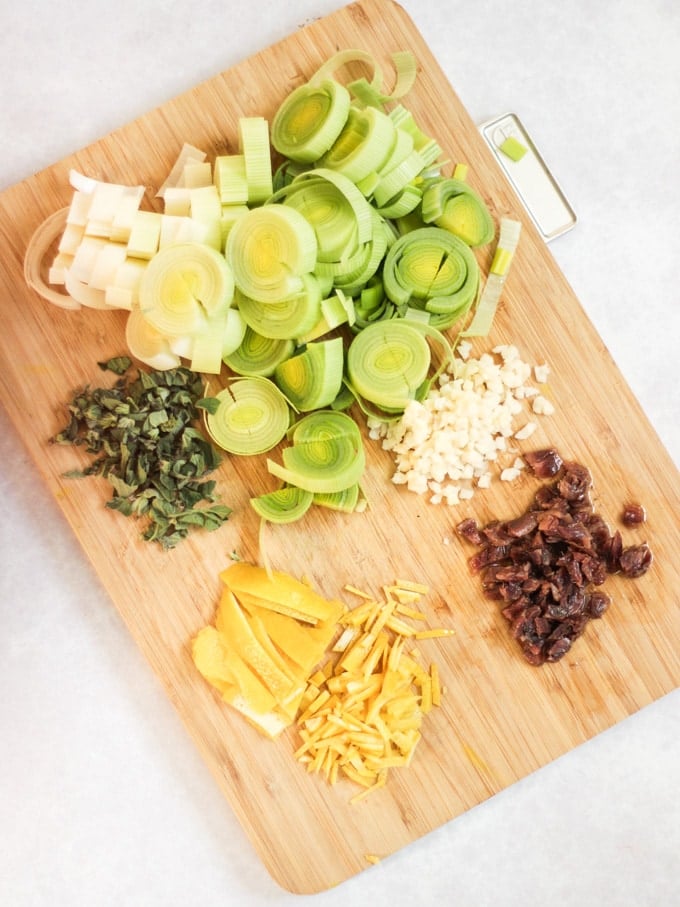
x: 500, y: 718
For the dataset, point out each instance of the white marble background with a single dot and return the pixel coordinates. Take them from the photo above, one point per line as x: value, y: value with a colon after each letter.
x: 103, y: 798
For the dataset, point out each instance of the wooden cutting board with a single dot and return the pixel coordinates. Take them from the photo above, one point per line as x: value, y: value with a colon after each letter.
x: 500, y: 718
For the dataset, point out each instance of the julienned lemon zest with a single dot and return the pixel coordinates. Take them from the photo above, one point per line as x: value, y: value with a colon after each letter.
x: 361, y: 716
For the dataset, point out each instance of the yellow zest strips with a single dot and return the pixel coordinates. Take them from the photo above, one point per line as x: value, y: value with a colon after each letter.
x: 362, y: 715
x: 269, y: 634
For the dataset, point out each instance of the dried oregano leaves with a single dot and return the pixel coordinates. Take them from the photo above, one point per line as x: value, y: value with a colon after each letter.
x: 142, y: 435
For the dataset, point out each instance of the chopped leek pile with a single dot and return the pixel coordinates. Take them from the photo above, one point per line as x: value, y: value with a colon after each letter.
x: 316, y: 267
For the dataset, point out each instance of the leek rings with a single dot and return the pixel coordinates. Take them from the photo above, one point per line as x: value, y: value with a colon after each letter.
x: 431, y: 269
x: 288, y: 318
x: 388, y: 364
x: 258, y: 355
x: 312, y: 379
x: 183, y: 286
x: 252, y: 418
x: 286, y: 505
x: 270, y: 249
x: 452, y: 204
x: 326, y: 455
x: 309, y: 120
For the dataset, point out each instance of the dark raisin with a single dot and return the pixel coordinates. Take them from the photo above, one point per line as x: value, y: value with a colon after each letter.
x: 470, y: 531
x: 598, y: 602
x: 633, y: 514
x: 635, y: 560
x: 557, y: 649
x: 544, y: 463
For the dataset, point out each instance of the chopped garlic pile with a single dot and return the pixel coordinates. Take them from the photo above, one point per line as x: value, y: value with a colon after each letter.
x: 446, y: 444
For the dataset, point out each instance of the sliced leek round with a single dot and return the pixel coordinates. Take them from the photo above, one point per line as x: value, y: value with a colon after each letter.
x: 258, y: 355
x: 430, y: 268
x: 309, y: 120
x: 312, y: 379
x: 286, y: 505
x: 147, y: 344
x: 453, y: 204
x: 252, y: 418
x: 363, y: 145
x: 326, y: 455
x: 288, y: 318
x: 183, y: 286
x: 269, y: 250
x: 388, y: 363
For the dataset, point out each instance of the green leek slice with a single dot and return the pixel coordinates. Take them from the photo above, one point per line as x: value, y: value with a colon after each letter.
x: 183, y: 286
x: 345, y: 501
x: 289, y: 318
x: 452, y: 204
x: 252, y: 418
x: 309, y: 120
x: 312, y: 379
x: 269, y: 249
x: 326, y: 455
x: 286, y: 505
x: 258, y: 355
x: 432, y: 269
x: 426, y: 146
x: 353, y: 200
x: 362, y: 145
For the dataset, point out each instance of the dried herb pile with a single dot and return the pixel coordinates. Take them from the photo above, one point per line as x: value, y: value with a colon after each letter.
x: 142, y: 435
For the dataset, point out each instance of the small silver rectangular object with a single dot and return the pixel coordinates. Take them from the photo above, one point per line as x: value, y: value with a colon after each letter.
x: 530, y: 177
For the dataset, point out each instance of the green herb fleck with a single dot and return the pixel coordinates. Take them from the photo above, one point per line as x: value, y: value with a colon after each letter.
x: 119, y: 365
x: 143, y: 440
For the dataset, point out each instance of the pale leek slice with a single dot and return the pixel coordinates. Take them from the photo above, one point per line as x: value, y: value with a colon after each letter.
x: 147, y: 344
x: 254, y: 144
x: 312, y: 379
x: 222, y: 335
x: 183, y: 286
x: 45, y: 235
x: 309, y: 120
x: 269, y: 250
x: 252, y: 418
x: 371, y: 90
